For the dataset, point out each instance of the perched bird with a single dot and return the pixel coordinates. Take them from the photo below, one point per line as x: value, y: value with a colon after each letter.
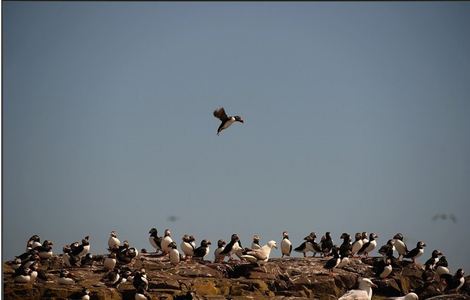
x: 363, y: 293
x: 431, y: 263
x: 357, y: 245
x: 45, y: 250
x: 187, y: 245
x: 409, y: 296
x: 24, y: 275
x: 110, y: 262
x: 218, y: 257
x: 334, y: 261
x: 442, y: 266
x: 234, y: 247
x: 400, y: 245
x: 387, y: 250
x: 309, y: 245
x: 255, y: 244
x: 114, y: 278
x: 113, y: 241
x: 369, y: 246
x: 166, y: 241
x: 81, y: 250
x: 454, y: 283
x: 33, y: 242
x: 383, y: 268
x: 345, y: 249
x: 142, y: 294
x: 326, y: 244
x: 203, y: 250
x: 364, y: 238
x: 83, y: 294
x: 175, y: 256
x: 286, y: 245
x: 226, y: 120
x: 140, y: 279
x: 87, y: 260
x: 416, y: 252
x: 155, y: 240
x: 261, y: 255
x: 65, y: 277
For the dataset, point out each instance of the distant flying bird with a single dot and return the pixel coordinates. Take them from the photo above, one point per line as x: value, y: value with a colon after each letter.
x: 444, y: 217
x: 226, y: 120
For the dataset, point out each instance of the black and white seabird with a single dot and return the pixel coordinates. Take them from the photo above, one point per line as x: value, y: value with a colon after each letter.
x: 24, y: 275
x: 187, y: 245
x: 234, y: 247
x: 369, y: 246
x: 345, y: 248
x: 400, y: 245
x: 218, y: 257
x: 202, y: 250
x: 383, y: 268
x: 286, y: 245
x: 65, y: 277
x: 175, y: 255
x: 142, y: 294
x: 326, y: 244
x: 309, y: 245
x: 226, y: 120
x: 416, y: 252
x: 166, y: 241
x: 442, y: 266
x: 431, y: 263
x: 110, y: 262
x: 357, y: 244
x: 84, y: 294
x: 255, y: 244
x: 387, y: 250
x: 140, y: 279
x: 33, y: 242
x: 113, y: 241
x: 155, y: 240
x: 454, y: 283
x: 334, y: 261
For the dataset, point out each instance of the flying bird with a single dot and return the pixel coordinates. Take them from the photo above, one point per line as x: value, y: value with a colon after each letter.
x: 226, y: 120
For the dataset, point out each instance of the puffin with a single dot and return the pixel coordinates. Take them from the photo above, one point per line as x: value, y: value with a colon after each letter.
x: 286, y: 245
x: 357, y: 244
x: 83, y: 294
x: 155, y: 240
x: 45, y: 250
x: 140, y: 279
x: 431, y: 263
x: 187, y: 245
x: 309, y: 245
x: 33, y: 242
x: 226, y: 121
x: 110, y: 262
x: 203, y: 250
x: 442, y: 266
x: 175, y: 255
x: 233, y: 247
x: 400, y: 245
x: 326, y: 244
x: 387, y: 250
x: 65, y: 277
x: 416, y: 252
x: 113, y: 241
x: 334, y: 261
x: 383, y: 268
x: 345, y: 248
x: 369, y: 246
x: 218, y: 257
x: 166, y: 241
x: 255, y: 244
x: 142, y: 294
x: 454, y: 283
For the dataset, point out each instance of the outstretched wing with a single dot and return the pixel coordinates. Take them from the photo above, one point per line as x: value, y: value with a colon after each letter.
x: 220, y: 114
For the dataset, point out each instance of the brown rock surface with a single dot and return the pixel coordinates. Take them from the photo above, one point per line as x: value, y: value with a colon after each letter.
x: 290, y: 278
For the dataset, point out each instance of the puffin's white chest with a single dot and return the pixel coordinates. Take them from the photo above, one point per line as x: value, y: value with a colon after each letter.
x: 109, y: 263
x: 165, y: 242
x: 187, y: 248
x: 113, y: 242
x: 286, y: 246
x: 174, y: 256
x: 228, y: 123
x: 356, y: 246
x: 371, y: 246
x: 420, y: 252
x: 387, y: 270
x: 400, y: 247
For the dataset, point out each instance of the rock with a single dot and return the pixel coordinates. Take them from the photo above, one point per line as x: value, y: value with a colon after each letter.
x: 292, y: 278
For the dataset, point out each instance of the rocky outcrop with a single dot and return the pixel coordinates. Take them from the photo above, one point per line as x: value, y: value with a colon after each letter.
x: 293, y: 278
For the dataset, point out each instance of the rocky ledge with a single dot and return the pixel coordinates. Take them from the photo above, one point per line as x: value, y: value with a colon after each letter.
x: 291, y: 278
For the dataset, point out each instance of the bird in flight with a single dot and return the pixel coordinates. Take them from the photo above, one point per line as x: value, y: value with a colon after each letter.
x: 226, y: 120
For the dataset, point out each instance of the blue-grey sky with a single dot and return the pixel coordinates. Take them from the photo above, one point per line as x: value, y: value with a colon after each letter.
x: 356, y: 119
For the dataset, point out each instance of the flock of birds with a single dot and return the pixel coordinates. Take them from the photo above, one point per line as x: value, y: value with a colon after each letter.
x: 120, y: 257
x: 116, y: 264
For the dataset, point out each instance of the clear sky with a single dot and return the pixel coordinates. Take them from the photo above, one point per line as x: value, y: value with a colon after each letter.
x: 356, y: 119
